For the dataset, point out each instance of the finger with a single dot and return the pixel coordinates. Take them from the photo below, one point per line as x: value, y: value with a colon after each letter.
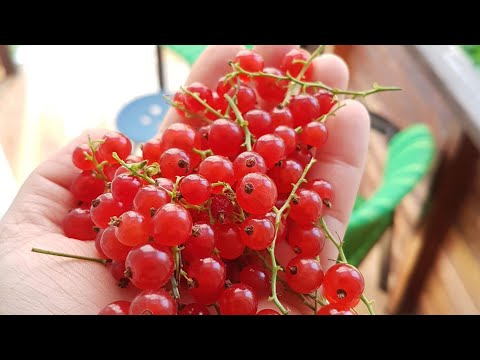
x: 210, y: 66
x: 341, y: 162
x: 273, y: 54
x: 331, y: 70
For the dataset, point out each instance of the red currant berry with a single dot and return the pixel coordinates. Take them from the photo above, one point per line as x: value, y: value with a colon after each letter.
x: 289, y: 137
x: 200, y: 244
x: 149, y: 266
x: 77, y: 224
x: 117, y: 268
x: 239, y: 299
x: 193, y: 105
x: 79, y: 157
x: 325, y: 100
x: 184, y: 137
x: 194, y: 309
x: 149, y: 199
x: 304, y: 275
x: 104, y: 208
x: 217, y: 168
x: 282, y: 227
x: 172, y: 225
x: 256, y: 193
x: 152, y: 150
x: 246, y: 98
x: 203, y: 133
x: 111, y: 247
x: 225, y: 138
x: 306, y: 207
x: 286, y: 175
x: 153, y: 302
x: 304, y: 109
x: 165, y: 184
x: 343, y: 284
x: 124, y: 188
x: 110, y: 170
x: 301, y: 154
x: 174, y: 162
x: 98, y: 246
x: 256, y: 277
x: 293, y: 63
x: 228, y: 241
x: 257, y: 233
x: 271, y: 148
x: 86, y: 186
x: 224, y: 86
x: 336, y: 309
x: 306, y: 240
x: 208, y: 275
x: 114, y: 142
x: 195, y: 189
x: 259, y: 122
x: 116, y: 308
x: 248, y: 162
x: 270, y: 89
x: 249, y: 61
x: 132, y: 229
x: 179, y: 100
x: 314, y: 134
x: 281, y: 116
x: 324, y: 189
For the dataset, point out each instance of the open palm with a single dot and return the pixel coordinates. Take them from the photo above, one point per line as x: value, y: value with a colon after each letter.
x: 36, y: 284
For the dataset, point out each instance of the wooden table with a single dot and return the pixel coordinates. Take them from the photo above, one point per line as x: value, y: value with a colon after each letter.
x: 455, y: 75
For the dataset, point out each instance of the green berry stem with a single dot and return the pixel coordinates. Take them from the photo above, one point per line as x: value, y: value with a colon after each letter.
x: 203, y: 153
x: 98, y: 167
x: 134, y: 169
x: 203, y: 102
x: 318, y: 84
x: 241, y: 122
x: 184, y: 109
x: 271, y: 248
x: 293, y: 86
x: 54, y: 253
x: 343, y: 259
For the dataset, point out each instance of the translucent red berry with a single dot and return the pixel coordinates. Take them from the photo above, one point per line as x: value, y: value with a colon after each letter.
x: 149, y: 199
x: 324, y: 189
x: 217, y: 168
x: 208, y: 276
x: 281, y: 115
x: 256, y: 277
x: 77, y: 224
x: 257, y: 233
x: 293, y: 63
x: 248, y: 162
x: 194, y: 309
x: 306, y: 207
x: 172, y: 225
x: 304, y: 275
x: 304, y: 109
x: 86, y: 186
x: 259, y: 122
x: 79, y: 159
x: 271, y: 89
x: 132, y: 229
x: 200, y: 244
x: 225, y: 138
x: 271, y: 147
x: 195, y: 189
x: 114, y: 142
x: 286, y: 174
x: 306, y: 240
x: 256, y: 193
x: 249, y: 61
x: 174, y: 162
x: 104, y: 208
x: 116, y: 308
x: 124, y: 187
x: 228, y: 240
x: 343, y: 284
x: 192, y: 104
x: 314, y: 134
x: 153, y: 302
x: 149, y: 266
x: 238, y: 299
x: 111, y: 247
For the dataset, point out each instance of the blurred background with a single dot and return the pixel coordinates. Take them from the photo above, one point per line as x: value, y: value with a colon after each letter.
x: 416, y: 224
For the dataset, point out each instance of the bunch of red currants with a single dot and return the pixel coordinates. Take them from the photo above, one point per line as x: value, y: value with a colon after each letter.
x: 200, y: 213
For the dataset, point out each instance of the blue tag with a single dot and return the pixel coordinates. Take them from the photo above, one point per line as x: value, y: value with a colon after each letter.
x: 141, y: 118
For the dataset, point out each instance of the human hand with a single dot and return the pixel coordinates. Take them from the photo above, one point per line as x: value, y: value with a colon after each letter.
x: 34, y: 284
